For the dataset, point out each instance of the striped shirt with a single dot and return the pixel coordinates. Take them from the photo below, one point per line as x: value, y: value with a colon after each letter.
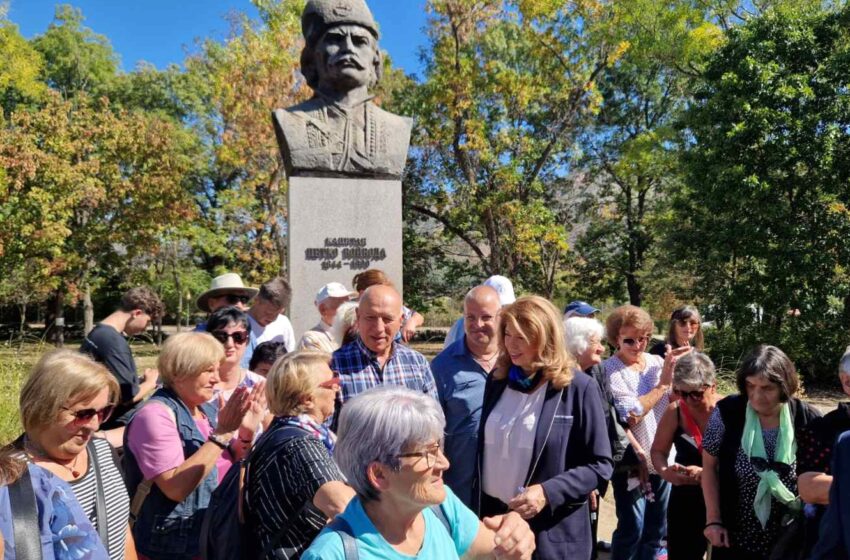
x: 114, y: 493
x: 282, y: 483
x: 359, y: 370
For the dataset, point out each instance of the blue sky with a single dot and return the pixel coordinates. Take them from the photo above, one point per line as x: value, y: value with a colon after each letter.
x: 160, y: 31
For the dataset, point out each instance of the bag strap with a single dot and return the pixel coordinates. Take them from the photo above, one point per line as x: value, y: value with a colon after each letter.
x: 142, y: 491
x: 349, y: 544
x: 100, y: 500
x: 25, y: 518
x: 441, y: 515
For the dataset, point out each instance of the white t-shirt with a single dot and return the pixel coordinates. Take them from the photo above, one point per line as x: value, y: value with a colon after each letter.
x: 279, y: 330
x: 509, y: 442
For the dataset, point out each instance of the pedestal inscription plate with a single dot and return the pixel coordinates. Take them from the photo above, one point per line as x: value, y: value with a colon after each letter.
x: 337, y: 228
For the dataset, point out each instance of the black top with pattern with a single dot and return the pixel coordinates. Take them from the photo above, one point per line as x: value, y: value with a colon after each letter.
x: 745, y: 531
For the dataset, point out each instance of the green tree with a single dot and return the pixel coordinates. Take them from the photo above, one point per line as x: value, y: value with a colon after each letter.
x: 21, y: 66
x: 763, y: 217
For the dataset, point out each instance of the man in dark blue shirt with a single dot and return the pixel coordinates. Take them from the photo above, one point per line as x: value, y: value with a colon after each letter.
x: 460, y: 372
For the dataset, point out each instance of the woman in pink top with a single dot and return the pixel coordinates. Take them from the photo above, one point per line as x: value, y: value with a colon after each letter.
x: 180, y: 445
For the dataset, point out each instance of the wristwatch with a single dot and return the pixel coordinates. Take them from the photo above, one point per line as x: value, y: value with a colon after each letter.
x: 219, y: 440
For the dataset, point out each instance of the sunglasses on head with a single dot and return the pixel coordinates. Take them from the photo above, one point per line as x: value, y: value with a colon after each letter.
x: 695, y: 395
x: 635, y: 341
x: 331, y: 383
x: 85, y: 415
x: 233, y: 299
x: 239, y: 337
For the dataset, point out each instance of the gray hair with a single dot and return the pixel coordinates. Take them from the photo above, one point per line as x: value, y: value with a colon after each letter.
x: 380, y: 424
x: 694, y: 369
x: 579, y: 331
x: 844, y: 363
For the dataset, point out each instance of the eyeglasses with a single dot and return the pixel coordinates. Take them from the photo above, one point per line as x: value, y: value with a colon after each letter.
x: 233, y: 299
x: 760, y: 464
x: 695, y: 395
x: 239, y: 337
x: 331, y: 383
x: 431, y: 454
x: 85, y: 415
x: 635, y: 341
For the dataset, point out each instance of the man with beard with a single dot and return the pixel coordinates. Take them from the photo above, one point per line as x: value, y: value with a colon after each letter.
x: 339, y: 131
x: 460, y: 372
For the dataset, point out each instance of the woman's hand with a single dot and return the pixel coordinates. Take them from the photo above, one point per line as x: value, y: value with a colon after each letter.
x: 514, y: 539
x: 693, y: 472
x: 677, y: 475
x: 670, y: 358
x: 530, y: 502
x: 230, y: 415
x: 717, y: 536
x: 257, y: 410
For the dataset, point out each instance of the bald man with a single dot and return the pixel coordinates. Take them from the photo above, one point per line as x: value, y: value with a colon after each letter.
x: 374, y: 357
x: 460, y: 372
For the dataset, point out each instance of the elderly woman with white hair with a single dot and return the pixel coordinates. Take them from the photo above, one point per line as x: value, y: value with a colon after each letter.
x: 390, y: 450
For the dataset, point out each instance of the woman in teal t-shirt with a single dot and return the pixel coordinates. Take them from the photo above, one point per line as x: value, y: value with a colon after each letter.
x: 389, y: 447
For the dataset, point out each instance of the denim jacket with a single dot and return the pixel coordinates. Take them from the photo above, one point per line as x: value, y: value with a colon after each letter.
x: 164, y: 529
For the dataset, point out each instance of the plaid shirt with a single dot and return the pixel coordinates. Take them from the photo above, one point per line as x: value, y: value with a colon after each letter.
x: 358, y: 369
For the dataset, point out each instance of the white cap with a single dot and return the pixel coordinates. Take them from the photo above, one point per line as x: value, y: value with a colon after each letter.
x: 504, y: 287
x: 334, y: 289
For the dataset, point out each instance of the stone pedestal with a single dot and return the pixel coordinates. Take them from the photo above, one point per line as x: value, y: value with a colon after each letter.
x: 337, y: 228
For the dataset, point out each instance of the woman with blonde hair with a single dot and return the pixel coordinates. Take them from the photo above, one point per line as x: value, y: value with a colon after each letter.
x: 179, y: 445
x: 287, y: 512
x: 543, y: 444
x: 63, y: 404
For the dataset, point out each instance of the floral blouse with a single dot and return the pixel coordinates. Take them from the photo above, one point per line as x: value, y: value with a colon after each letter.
x: 66, y: 532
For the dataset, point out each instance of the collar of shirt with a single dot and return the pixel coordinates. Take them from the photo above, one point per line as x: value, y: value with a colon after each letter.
x: 373, y: 356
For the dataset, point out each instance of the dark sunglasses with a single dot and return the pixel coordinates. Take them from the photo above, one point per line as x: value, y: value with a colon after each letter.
x: 760, y: 464
x: 635, y: 341
x: 85, y: 415
x: 695, y: 395
x: 239, y: 337
x: 233, y: 299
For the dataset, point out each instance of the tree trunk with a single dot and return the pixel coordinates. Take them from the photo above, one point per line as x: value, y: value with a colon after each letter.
x: 634, y: 287
x: 22, y: 308
x: 88, y: 310
x: 55, y: 318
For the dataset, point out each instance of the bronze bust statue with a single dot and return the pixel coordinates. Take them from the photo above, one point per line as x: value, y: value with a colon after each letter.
x: 339, y: 131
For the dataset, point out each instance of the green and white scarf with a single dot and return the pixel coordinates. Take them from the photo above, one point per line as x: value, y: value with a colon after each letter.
x: 770, y: 486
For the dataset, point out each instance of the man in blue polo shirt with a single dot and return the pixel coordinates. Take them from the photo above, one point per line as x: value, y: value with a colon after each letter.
x: 460, y: 372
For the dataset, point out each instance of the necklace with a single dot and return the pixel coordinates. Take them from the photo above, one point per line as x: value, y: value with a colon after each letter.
x: 35, y: 453
x: 486, y: 363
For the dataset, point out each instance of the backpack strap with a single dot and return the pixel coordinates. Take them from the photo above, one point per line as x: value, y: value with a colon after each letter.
x: 25, y: 518
x: 349, y: 544
x: 100, y: 500
x: 441, y: 515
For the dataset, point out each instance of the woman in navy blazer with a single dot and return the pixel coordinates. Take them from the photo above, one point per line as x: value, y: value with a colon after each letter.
x: 543, y: 444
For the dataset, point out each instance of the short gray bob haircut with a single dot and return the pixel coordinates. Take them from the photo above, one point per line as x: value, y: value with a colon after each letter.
x: 694, y: 369
x: 379, y: 425
x: 579, y: 331
x: 844, y: 363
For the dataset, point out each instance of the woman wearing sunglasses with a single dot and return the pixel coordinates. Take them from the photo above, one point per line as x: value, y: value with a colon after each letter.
x: 682, y: 426
x: 685, y: 329
x: 179, y: 446
x: 749, y: 477
x: 640, y: 385
x: 229, y: 326
x: 63, y: 403
x: 287, y: 512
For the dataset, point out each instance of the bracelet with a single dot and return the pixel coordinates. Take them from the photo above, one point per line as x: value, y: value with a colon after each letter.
x: 714, y: 523
x: 216, y: 439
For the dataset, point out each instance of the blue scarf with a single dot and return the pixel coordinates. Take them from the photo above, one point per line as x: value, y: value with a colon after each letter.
x: 309, y: 425
x: 518, y: 381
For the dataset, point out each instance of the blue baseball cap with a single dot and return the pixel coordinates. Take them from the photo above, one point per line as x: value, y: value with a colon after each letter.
x: 579, y: 308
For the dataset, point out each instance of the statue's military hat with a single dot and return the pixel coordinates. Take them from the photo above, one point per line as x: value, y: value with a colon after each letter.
x: 320, y: 15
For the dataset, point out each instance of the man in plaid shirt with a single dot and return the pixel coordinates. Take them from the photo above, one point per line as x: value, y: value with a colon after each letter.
x: 373, y: 358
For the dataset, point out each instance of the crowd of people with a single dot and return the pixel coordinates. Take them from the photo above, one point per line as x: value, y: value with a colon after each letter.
x: 345, y: 442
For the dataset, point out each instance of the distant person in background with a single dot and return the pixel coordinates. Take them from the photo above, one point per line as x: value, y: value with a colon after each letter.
x: 106, y: 344
x: 226, y: 290
x: 410, y: 321
x: 682, y: 426
x: 685, y: 329
x: 460, y: 372
x: 503, y: 287
x: 266, y: 319
x: 328, y: 299
x: 579, y: 309
x: 265, y: 355
x: 345, y: 323
x: 834, y: 541
x: 375, y: 357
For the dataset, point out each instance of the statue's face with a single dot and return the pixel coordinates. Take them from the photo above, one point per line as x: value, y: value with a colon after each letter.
x: 344, y: 57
